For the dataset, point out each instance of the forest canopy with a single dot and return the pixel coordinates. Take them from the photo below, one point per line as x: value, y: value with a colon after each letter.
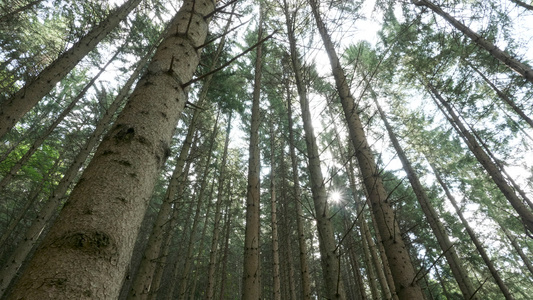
x: 287, y: 149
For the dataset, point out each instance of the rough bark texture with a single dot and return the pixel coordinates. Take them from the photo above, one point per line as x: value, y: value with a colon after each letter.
x: 54, y: 202
x: 87, y: 250
x: 500, y: 55
x: 492, y: 169
x: 25, y: 99
x: 251, y: 286
x: 400, y: 263
x: 456, y: 265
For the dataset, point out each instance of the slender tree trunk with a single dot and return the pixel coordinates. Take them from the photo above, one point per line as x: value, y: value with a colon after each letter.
x: 518, y: 249
x: 286, y: 232
x: 458, y: 270
x: 87, y: 251
x: 328, y: 247
x: 503, y: 96
x: 370, y: 272
x: 304, y: 267
x: 210, y: 289
x: 276, y: 286
x: 54, y: 202
x: 495, y: 274
x: 251, y: 287
x: 365, y: 232
x: 400, y: 263
x: 39, y: 141
x: 6, y: 17
x: 519, y: 67
x: 11, y: 110
x: 523, y: 4
x: 354, y: 262
x: 492, y: 169
x: 188, y: 258
x: 162, y: 256
x: 226, y: 246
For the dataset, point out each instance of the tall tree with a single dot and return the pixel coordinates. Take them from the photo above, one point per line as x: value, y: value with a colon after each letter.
x: 86, y: 252
x: 402, y: 269
x: 251, y: 270
x: 329, y: 254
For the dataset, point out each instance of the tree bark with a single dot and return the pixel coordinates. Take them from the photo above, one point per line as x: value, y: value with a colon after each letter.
x: 458, y: 270
x: 276, y: 286
x: 87, y: 251
x: 519, y: 67
x: 54, y: 202
x: 12, y: 109
x: 400, y: 263
x: 251, y: 286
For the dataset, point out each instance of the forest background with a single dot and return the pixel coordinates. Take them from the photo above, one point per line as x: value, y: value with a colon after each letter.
x: 286, y: 149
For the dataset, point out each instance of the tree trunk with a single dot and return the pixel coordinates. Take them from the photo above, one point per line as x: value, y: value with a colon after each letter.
x: 88, y: 249
x: 188, y: 258
x: 523, y: 4
x: 458, y: 270
x: 226, y: 246
x: 12, y: 109
x: 54, y: 202
x: 210, y: 289
x: 304, y: 268
x: 519, y: 67
x: 400, y: 263
x: 492, y: 169
x: 495, y: 274
x: 276, y: 286
x: 327, y: 244
x: 503, y: 96
x: 518, y: 249
x: 370, y: 272
x: 251, y: 286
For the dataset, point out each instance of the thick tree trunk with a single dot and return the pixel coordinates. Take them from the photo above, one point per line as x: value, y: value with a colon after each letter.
x: 402, y: 269
x: 304, y: 267
x: 54, y: 202
x: 458, y: 270
x: 12, y: 109
x: 495, y: 274
x: 500, y: 55
x: 88, y: 249
x: 210, y: 289
x: 251, y: 286
x: 492, y: 169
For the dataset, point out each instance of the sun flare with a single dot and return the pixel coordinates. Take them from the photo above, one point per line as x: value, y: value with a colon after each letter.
x: 335, y: 196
